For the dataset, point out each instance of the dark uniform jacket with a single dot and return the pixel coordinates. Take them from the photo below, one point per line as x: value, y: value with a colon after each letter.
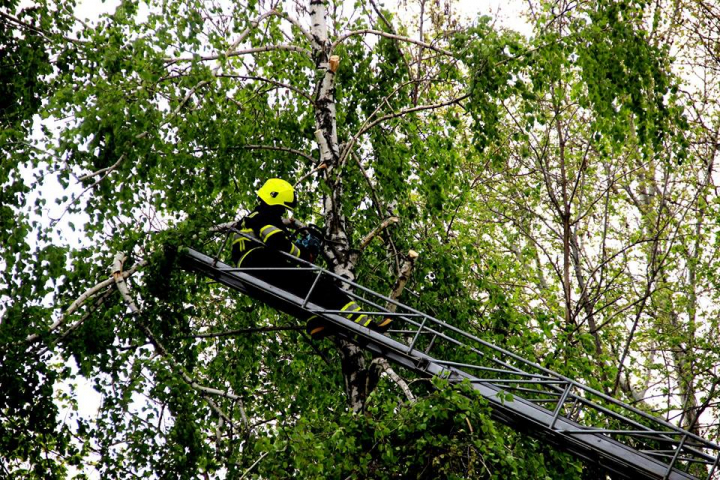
x: 265, y: 224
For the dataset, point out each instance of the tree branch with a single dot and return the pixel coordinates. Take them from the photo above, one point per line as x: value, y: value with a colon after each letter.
x: 45, y: 34
x: 295, y: 23
x: 243, y: 331
x: 90, y: 292
x: 253, y: 465
x: 312, y: 160
x: 237, y: 53
x: 121, y: 285
x: 188, y: 95
x: 246, y: 32
x: 368, y: 31
x: 385, y: 367
x: 268, y: 80
x: 112, y: 167
x: 390, y: 116
x: 368, y: 238
x: 106, y: 294
x: 405, y: 271
x: 376, y: 200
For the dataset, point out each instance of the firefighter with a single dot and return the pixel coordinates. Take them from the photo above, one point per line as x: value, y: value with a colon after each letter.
x: 264, y: 223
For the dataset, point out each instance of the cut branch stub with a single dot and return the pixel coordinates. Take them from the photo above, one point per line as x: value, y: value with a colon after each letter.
x: 334, y: 63
x: 405, y: 271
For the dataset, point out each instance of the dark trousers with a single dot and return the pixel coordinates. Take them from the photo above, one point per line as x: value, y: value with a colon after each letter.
x: 298, y: 282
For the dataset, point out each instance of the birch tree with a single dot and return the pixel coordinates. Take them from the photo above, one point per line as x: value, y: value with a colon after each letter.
x: 559, y: 190
x: 606, y: 195
x: 164, y: 119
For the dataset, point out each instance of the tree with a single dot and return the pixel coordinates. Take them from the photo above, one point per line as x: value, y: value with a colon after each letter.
x: 174, y: 113
x: 484, y: 151
x: 606, y: 192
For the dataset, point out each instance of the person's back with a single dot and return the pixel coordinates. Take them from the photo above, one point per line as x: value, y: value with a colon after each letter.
x: 262, y: 258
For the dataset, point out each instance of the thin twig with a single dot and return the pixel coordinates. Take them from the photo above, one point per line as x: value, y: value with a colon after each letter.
x: 112, y: 167
x: 376, y: 200
x: 312, y: 160
x: 243, y: 331
x: 37, y: 30
x: 267, y: 80
x: 253, y: 465
x: 237, y: 53
x: 380, y: 33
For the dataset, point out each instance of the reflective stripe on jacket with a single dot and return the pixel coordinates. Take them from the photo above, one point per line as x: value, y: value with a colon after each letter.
x: 265, y: 227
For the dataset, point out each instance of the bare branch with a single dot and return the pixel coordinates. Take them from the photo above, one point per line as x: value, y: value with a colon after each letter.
x: 380, y: 33
x: 190, y: 93
x: 253, y: 25
x: 405, y: 271
x: 101, y: 299
x: 237, y: 53
x: 312, y: 160
x: 382, y: 363
x: 322, y: 166
x: 385, y: 367
x: 105, y: 170
x: 253, y: 465
x: 368, y: 238
x: 119, y: 280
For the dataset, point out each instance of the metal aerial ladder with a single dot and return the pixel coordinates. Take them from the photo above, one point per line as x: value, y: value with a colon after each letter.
x: 624, y: 441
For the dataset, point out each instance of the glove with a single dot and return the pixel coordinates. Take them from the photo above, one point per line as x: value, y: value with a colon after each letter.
x: 309, y: 245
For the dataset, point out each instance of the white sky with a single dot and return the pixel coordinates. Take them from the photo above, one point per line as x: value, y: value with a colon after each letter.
x: 508, y: 13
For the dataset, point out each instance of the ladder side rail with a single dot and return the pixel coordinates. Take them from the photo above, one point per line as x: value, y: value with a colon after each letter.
x: 659, y: 435
x: 603, y: 444
x: 424, y: 364
x: 553, y: 384
x: 706, y: 443
x: 644, y: 432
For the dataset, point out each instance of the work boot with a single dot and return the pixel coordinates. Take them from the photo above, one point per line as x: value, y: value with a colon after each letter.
x: 317, y: 328
x: 383, y: 326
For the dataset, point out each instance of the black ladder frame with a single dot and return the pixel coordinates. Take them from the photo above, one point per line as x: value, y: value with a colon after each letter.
x: 628, y: 443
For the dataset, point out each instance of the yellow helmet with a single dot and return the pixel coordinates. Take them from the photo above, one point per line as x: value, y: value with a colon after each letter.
x: 277, y: 192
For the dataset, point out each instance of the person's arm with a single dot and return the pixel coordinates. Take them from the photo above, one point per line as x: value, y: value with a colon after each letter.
x: 270, y: 232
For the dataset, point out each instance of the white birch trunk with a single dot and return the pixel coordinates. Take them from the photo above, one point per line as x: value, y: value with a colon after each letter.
x: 338, y: 250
